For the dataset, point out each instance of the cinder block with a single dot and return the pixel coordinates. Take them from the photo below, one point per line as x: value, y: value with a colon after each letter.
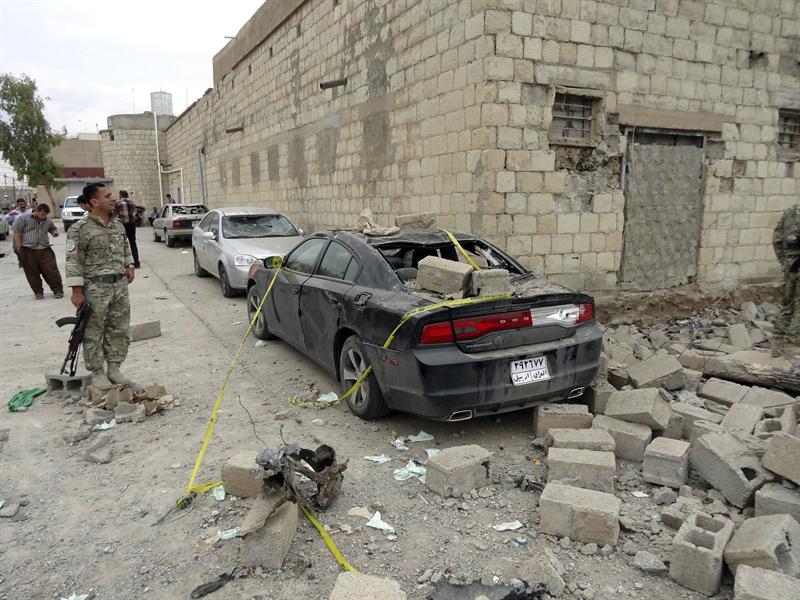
x: 630, y: 439
x: 581, y: 439
x: 697, y: 553
x: 674, y: 515
x: 691, y: 414
x: 491, y: 282
x: 268, y: 546
x: 458, y: 470
x: 241, y: 476
x: 582, y: 468
x: 598, y: 394
x: 145, y: 331
x: 742, y: 417
x: 666, y: 462
x: 657, y: 371
x: 65, y: 383
x: 753, y: 583
x: 447, y: 277
x: 722, y: 391
x: 771, y: 542
x: 692, y: 379
x: 739, y: 337
x: 560, y: 416
x: 674, y: 428
x: 774, y: 499
x: 648, y: 406
x: 700, y: 428
x: 728, y: 465
x: 765, y: 429
x: 358, y: 586
x: 584, y: 515
x: 783, y: 456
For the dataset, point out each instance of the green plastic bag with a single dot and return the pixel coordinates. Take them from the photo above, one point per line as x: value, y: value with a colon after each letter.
x: 24, y: 398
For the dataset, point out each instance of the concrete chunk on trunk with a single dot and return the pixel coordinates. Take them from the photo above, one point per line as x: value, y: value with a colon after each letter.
x: 649, y: 406
x: 423, y: 221
x: 657, y: 371
x: 491, y: 282
x: 728, y: 465
x: 458, y: 470
x: 448, y: 277
x: 630, y: 439
x: 584, y: 515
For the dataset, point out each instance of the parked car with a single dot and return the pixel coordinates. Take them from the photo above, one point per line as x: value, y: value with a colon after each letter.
x: 71, y: 213
x: 339, y: 295
x: 177, y: 221
x: 229, y: 240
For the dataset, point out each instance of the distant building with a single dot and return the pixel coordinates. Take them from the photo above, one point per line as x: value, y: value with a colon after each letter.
x: 81, y: 162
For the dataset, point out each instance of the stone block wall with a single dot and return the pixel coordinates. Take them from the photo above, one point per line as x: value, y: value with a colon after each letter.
x: 448, y: 106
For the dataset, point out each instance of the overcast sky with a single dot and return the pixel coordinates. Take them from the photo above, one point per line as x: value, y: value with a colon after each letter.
x: 92, y: 59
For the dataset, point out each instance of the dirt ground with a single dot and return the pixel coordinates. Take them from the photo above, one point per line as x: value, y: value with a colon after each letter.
x: 88, y: 526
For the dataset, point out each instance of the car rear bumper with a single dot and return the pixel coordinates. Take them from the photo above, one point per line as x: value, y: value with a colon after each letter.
x: 444, y: 383
x: 179, y: 233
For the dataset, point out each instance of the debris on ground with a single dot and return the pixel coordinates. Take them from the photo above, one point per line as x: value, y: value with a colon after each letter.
x: 20, y: 401
x: 211, y: 586
x: 377, y: 522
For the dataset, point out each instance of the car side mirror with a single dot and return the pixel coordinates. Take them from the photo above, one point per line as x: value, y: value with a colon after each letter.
x: 209, y: 235
x: 273, y: 262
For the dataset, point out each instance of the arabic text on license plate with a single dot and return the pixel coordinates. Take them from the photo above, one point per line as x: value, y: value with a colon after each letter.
x: 529, y: 370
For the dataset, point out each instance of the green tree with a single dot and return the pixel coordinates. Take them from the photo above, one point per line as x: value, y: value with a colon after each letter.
x: 26, y: 138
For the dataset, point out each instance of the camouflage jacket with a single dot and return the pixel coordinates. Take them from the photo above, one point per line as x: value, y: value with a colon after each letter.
x: 786, y: 238
x: 94, y: 248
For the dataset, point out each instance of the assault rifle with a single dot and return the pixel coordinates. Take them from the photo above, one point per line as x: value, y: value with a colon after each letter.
x: 80, y: 320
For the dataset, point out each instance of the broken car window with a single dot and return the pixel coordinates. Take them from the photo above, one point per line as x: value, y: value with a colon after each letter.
x: 189, y: 209
x: 257, y: 226
x: 304, y: 257
x: 407, y: 255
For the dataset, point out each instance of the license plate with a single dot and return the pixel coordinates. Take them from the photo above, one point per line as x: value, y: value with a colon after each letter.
x: 529, y: 370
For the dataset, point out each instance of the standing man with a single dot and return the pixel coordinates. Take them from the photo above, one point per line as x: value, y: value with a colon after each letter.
x: 126, y: 211
x: 34, y: 251
x: 99, y: 269
x: 169, y: 199
x: 786, y: 242
x: 20, y: 209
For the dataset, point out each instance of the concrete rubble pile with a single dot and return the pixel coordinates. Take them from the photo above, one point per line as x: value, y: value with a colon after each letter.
x: 720, y: 447
x: 125, y: 403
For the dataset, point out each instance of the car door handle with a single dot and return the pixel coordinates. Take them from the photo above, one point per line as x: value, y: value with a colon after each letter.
x: 333, y: 300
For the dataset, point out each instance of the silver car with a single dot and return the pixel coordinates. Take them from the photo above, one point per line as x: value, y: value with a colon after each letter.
x: 229, y: 240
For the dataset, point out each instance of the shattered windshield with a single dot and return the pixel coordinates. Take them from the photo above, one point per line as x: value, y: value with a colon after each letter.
x: 190, y: 209
x: 257, y: 226
x: 406, y: 255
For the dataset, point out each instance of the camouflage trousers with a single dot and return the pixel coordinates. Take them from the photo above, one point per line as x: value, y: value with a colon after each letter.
x: 106, y: 337
x: 787, y: 325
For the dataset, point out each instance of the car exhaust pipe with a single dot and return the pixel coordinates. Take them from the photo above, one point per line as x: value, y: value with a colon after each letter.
x: 577, y: 392
x: 460, y: 415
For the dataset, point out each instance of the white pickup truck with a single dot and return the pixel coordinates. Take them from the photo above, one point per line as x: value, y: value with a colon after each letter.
x: 177, y: 221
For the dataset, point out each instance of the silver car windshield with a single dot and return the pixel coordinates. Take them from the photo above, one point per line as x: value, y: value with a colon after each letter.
x: 257, y: 226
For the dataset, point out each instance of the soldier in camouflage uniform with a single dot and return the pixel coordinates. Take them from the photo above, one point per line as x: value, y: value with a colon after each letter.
x: 99, y: 269
x: 786, y: 241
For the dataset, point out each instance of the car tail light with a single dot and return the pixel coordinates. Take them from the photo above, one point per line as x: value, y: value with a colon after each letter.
x: 586, y: 313
x: 176, y: 224
x: 471, y: 328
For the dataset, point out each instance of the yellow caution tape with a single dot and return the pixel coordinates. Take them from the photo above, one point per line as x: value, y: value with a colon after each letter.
x: 461, y: 249
x: 328, y: 541
x: 212, y: 421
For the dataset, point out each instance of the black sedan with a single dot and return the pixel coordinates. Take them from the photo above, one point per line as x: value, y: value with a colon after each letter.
x: 340, y: 294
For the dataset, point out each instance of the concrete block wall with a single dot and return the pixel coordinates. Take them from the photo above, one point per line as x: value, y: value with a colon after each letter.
x: 447, y: 108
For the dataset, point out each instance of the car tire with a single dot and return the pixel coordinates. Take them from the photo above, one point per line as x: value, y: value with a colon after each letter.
x: 225, y: 284
x: 198, y: 270
x: 169, y: 240
x: 156, y: 239
x: 367, y: 401
x: 261, y: 327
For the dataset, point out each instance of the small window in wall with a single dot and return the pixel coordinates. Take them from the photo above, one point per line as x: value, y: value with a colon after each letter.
x: 573, y: 118
x: 789, y: 129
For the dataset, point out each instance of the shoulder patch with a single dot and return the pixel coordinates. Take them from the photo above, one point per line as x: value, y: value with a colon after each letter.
x: 72, y: 246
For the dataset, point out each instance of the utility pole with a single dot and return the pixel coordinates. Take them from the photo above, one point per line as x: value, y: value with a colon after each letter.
x: 158, y: 161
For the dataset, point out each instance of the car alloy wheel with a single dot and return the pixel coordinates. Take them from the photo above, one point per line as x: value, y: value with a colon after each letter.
x: 155, y: 235
x: 198, y: 270
x: 260, y: 328
x: 169, y: 240
x: 367, y: 401
x: 227, y: 290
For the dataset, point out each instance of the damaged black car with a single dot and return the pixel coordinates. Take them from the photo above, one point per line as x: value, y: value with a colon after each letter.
x: 339, y: 296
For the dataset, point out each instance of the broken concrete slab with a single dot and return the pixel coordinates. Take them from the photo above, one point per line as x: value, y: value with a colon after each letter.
x: 657, y: 371
x: 675, y: 514
x: 775, y: 499
x: 560, y: 416
x: 649, y: 563
x: 674, y: 428
x: 458, y: 470
x: 154, y: 391
x: 746, y: 366
x: 145, y: 331
x: 491, y: 282
x: 241, y: 476
x: 728, y: 465
x: 582, y: 468
x: 95, y: 416
x: 700, y: 428
x: 583, y: 515
x: 697, y: 553
x: 448, y: 277
x: 264, y: 505
x: 648, y: 406
x: 125, y: 412
x: 598, y: 394
x: 753, y: 583
x: 117, y: 395
x: 691, y: 379
x: 691, y: 413
x: 722, y: 391
x: 771, y: 542
x: 666, y: 462
x: 769, y: 400
x: 77, y: 433
x: 783, y: 456
x: 544, y: 567
x: 581, y: 439
x: 100, y: 450
x: 739, y: 337
x: 630, y: 439
x: 742, y: 417
x: 422, y: 221
x: 766, y: 428
x: 358, y: 586
x: 268, y: 546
